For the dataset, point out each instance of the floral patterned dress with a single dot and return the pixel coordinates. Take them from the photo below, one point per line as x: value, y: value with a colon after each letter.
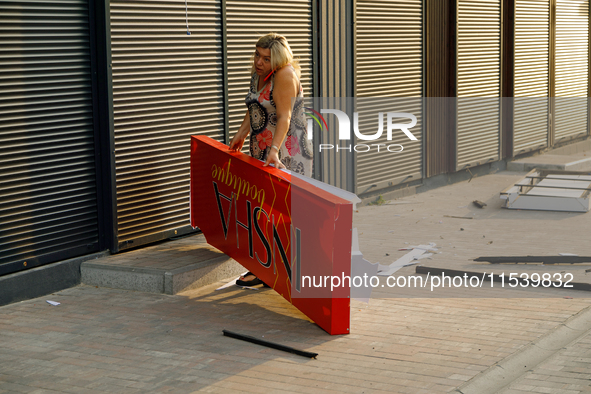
x: 296, y: 152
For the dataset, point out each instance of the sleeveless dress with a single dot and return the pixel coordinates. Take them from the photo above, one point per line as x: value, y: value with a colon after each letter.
x: 296, y: 151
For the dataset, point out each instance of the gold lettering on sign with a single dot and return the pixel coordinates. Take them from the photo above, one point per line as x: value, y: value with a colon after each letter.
x: 238, y: 184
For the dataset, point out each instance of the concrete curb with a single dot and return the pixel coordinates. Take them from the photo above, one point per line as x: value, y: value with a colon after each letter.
x: 43, y: 280
x: 511, y: 368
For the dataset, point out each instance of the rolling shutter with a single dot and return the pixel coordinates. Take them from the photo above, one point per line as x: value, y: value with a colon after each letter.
x: 167, y: 86
x: 388, y: 63
x: 246, y: 22
x: 48, y: 208
x: 531, y: 89
x: 478, y: 80
x: 572, y: 68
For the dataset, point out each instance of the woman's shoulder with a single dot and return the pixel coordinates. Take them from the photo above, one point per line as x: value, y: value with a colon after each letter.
x: 286, y: 72
x: 286, y: 76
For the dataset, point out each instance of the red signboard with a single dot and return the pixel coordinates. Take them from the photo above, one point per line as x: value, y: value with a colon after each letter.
x: 280, y: 227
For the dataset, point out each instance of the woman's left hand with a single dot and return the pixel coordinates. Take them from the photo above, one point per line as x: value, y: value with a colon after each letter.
x: 273, y: 158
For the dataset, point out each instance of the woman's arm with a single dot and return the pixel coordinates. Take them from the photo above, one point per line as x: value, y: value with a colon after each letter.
x: 284, y: 90
x: 240, y: 136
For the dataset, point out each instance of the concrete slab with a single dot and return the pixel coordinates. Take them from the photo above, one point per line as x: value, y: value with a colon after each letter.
x: 167, y: 268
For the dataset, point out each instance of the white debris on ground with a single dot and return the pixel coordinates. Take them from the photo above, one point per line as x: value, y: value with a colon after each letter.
x: 416, y: 253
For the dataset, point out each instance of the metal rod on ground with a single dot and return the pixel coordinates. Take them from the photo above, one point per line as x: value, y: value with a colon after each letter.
x: 277, y: 346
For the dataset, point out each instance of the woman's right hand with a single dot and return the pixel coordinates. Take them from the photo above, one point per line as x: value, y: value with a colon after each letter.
x: 237, y: 142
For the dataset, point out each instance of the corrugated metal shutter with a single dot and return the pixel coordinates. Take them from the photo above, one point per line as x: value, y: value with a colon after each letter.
x: 246, y: 22
x: 389, y: 63
x: 48, y: 208
x: 335, y: 58
x: 531, y: 89
x: 478, y: 77
x: 572, y: 68
x: 167, y: 85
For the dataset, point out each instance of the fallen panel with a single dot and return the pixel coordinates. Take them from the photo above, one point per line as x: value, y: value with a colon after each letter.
x: 550, y: 190
x: 535, y: 259
x: 502, y: 278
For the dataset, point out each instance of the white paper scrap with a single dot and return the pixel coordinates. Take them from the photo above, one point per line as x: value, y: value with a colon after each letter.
x: 230, y: 283
x: 388, y: 270
x: 54, y: 303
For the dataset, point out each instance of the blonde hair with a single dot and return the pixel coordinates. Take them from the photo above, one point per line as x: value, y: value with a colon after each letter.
x: 281, y: 54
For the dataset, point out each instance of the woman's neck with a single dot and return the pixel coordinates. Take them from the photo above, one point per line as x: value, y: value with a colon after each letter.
x: 261, y: 83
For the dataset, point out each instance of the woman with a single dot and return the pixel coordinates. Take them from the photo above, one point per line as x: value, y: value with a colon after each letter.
x: 274, y: 121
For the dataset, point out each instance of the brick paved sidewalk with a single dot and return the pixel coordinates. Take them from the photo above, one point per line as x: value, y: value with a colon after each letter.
x: 568, y: 372
x: 108, y: 340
